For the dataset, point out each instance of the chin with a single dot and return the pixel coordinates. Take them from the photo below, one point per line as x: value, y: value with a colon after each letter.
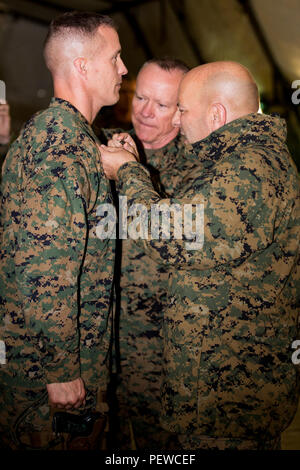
x: 145, y: 137
x: 114, y: 99
x: 142, y: 134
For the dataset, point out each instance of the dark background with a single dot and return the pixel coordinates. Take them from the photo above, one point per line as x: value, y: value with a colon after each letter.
x: 263, y: 35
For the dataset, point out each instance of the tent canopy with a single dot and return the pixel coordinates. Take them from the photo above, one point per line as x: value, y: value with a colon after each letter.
x: 263, y: 35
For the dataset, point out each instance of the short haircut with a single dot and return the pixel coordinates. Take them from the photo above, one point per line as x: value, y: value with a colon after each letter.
x: 83, y: 24
x: 168, y: 64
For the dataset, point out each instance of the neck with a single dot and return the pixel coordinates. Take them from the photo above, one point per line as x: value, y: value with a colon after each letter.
x: 162, y: 141
x: 77, y: 96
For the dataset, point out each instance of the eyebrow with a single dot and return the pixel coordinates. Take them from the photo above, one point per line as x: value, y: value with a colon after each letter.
x: 117, y: 52
x: 156, y: 100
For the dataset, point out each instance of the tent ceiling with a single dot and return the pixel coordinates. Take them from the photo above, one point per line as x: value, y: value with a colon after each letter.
x: 279, y: 21
x: 264, y: 35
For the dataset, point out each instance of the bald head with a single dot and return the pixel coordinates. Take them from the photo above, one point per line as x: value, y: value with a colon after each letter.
x: 229, y: 83
x: 213, y: 95
x: 72, y: 35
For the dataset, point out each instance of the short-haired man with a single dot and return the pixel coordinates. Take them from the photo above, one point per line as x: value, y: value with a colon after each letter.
x: 229, y: 379
x: 56, y: 274
x: 143, y: 282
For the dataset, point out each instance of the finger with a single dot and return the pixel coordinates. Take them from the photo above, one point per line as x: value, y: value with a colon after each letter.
x: 104, y: 148
x: 114, y: 143
x: 80, y: 402
x: 129, y: 148
x: 120, y: 136
x: 60, y: 406
x: 129, y: 145
x: 110, y: 150
x: 69, y: 407
x: 78, y: 405
x: 133, y: 151
x: 128, y: 139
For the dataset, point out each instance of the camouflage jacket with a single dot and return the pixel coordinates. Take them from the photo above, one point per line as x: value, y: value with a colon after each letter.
x: 55, y: 275
x: 142, y: 292
x: 168, y: 165
x: 234, y: 309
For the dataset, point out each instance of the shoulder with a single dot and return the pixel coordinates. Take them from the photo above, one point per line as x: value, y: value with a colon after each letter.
x: 58, y: 138
x: 52, y: 126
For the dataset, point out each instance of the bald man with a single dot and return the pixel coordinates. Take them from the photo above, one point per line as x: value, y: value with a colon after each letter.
x: 229, y: 378
x: 56, y: 274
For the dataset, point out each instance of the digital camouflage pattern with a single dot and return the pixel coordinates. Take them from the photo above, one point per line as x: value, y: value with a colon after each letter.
x: 143, y: 287
x: 143, y: 301
x: 198, y: 442
x: 56, y: 275
x: 234, y: 304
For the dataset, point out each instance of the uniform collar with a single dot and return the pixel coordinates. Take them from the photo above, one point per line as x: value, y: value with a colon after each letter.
x: 256, y: 128
x: 79, y: 118
x: 69, y: 107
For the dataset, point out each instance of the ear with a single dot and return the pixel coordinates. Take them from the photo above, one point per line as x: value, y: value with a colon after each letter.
x: 217, y: 116
x: 80, y: 63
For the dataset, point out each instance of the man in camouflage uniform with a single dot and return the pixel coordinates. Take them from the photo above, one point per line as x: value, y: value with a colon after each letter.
x: 56, y: 274
x: 228, y: 376
x: 143, y: 282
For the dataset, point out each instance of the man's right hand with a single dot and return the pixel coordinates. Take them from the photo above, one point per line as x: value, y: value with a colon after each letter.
x: 125, y: 141
x: 67, y: 395
x: 113, y: 158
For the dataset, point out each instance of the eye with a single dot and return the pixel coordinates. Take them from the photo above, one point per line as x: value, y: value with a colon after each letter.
x: 162, y: 105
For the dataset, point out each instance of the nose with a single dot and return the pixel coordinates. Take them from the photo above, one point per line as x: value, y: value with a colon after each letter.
x: 122, y: 69
x: 176, y: 119
x: 147, y: 109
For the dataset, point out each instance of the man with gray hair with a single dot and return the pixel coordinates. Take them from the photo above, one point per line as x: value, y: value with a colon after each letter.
x: 56, y: 275
x: 143, y: 282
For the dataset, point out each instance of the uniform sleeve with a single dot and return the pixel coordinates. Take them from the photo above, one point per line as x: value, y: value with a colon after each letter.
x: 225, y: 218
x: 52, y: 241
